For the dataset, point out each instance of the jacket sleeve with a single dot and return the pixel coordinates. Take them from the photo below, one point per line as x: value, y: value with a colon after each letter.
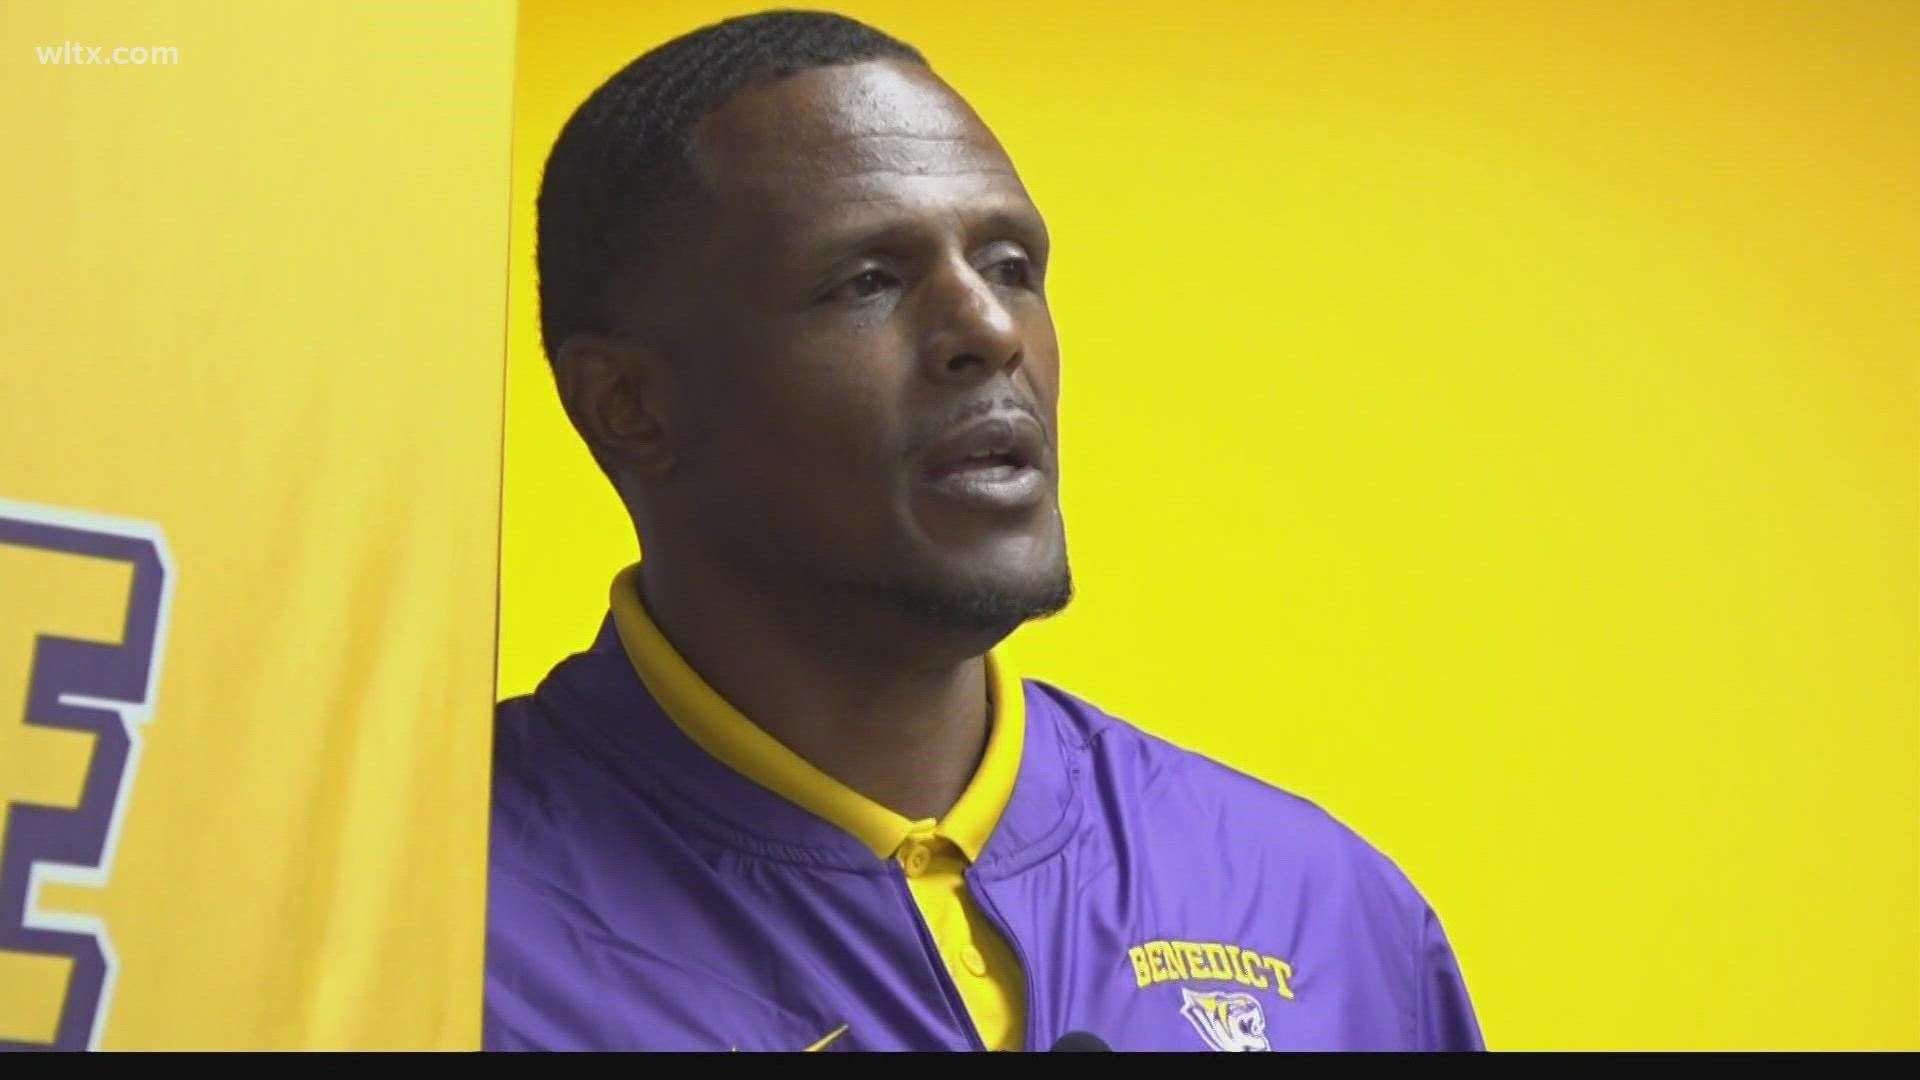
x: 1446, y: 1019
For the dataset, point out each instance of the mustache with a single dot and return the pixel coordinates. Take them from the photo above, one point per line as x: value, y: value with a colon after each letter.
x: 925, y: 434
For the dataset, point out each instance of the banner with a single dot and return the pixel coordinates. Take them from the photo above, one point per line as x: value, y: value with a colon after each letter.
x: 250, y: 421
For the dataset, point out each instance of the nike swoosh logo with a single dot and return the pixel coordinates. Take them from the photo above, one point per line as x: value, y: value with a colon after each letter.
x: 821, y: 1045
x: 827, y: 1038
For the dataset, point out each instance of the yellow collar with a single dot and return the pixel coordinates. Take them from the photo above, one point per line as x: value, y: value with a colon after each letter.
x: 735, y: 741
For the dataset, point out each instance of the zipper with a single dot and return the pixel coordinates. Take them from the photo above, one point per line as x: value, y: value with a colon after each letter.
x: 955, y: 1003
x: 1030, y: 1040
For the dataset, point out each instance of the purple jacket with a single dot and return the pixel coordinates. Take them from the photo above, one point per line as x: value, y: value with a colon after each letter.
x: 643, y: 896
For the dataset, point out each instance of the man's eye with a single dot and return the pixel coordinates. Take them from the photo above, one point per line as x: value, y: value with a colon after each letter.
x: 1015, y: 271
x: 869, y: 284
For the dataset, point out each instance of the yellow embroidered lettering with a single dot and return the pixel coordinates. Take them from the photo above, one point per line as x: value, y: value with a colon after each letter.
x: 1282, y: 971
x: 1217, y: 965
x: 1196, y: 959
x: 1161, y: 961
x: 1174, y: 963
x: 1234, y: 967
x: 1255, y: 978
x: 1157, y: 962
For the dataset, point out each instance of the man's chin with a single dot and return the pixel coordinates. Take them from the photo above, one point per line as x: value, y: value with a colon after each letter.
x: 987, y: 607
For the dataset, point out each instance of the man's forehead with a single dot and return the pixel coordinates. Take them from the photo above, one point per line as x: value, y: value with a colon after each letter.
x: 846, y: 126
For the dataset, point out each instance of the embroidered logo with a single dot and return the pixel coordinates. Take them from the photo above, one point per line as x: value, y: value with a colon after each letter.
x: 1228, y: 1020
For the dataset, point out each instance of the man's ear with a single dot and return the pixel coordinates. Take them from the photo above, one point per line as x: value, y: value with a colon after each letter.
x: 616, y: 391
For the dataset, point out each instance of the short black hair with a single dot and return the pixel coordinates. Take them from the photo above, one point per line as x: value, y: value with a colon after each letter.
x: 618, y: 176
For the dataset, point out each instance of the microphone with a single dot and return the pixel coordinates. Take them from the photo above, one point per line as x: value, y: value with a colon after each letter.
x: 1080, y: 1041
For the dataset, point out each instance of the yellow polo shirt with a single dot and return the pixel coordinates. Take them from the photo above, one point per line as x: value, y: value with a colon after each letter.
x: 932, y: 853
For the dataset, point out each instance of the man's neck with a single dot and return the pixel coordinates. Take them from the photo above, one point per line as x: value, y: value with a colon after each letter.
x: 905, y: 731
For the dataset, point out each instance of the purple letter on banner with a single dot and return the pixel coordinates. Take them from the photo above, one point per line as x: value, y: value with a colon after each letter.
x: 100, y: 688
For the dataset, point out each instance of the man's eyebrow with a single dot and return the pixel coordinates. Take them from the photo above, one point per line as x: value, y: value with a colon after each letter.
x: 1022, y: 222
x: 1017, y: 221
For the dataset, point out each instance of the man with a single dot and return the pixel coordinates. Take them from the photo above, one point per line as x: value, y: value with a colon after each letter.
x: 793, y: 292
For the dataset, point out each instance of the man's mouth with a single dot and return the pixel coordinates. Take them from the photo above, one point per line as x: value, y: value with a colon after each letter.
x: 997, y: 462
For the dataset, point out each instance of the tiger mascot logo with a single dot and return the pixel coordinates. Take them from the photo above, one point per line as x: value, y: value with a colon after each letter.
x: 1227, y: 1020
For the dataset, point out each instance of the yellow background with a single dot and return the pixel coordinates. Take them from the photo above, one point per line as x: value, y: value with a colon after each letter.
x: 255, y: 299
x: 1495, y: 421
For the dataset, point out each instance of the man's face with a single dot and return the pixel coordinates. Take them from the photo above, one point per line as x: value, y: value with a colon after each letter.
x: 869, y: 367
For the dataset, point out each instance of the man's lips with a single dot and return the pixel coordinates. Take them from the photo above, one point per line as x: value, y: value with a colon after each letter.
x: 1000, y: 461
